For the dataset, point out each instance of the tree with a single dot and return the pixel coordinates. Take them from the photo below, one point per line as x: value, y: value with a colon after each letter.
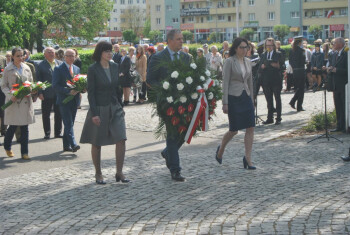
x: 246, y: 33
x: 133, y: 18
x: 214, y: 36
x: 129, y: 35
x: 147, y: 28
x: 315, y: 30
x: 188, y: 35
x: 155, y: 35
x: 281, y: 30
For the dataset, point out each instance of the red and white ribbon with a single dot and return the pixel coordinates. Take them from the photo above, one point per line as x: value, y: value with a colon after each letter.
x: 201, y: 113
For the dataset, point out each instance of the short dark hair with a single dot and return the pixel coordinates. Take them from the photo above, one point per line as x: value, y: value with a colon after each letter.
x: 235, y: 45
x: 14, y: 50
x: 101, y: 47
x: 171, y: 34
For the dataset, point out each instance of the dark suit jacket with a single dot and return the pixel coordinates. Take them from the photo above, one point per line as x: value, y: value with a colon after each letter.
x: 155, y: 72
x: 341, y: 75
x: 59, y: 79
x: 271, y: 75
x: 124, y: 67
x: 117, y: 57
x: 101, y: 91
x: 44, y: 74
x: 297, y: 58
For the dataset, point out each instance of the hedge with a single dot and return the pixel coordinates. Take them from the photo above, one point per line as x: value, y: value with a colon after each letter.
x: 85, y: 55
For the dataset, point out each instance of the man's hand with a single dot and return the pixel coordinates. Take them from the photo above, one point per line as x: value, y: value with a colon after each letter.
x: 73, y: 92
x: 96, y: 120
x: 263, y: 66
x: 275, y: 65
x: 225, y: 108
x: 41, y: 97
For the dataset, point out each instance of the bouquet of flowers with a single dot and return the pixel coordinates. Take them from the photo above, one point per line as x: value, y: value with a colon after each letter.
x: 185, y: 100
x: 21, y: 90
x: 78, y: 83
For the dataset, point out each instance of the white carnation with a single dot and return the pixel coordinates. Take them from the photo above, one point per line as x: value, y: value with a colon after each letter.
x: 174, y: 74
x: 170, y: 99
x: 202, y: 78
x: 189, y: 80
x: 183, y: 99
x: 207, y: 72
x: 194, y: 96
x: 166, y: 85
x: 193, y: 65
x: 205, y: 86
x: 180, y: 86
x: 217, y: 83
x: 210, y: 96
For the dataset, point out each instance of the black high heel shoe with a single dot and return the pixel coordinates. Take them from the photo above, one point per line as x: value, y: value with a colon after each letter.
x: 219, y: 160
x: 99, y: 179
x: 246, y: 165
x: 118, y: 178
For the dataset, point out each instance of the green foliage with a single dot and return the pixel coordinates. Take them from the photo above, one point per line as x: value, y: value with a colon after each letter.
x: 281, y: 30
x: 315, y: 30
x: 317, y: 121
x: 214, y: 36
x: 188, y: 35
x: 247, y: 33
x: 147, y: 28
x: 155, y: 36
x: 129, y: 35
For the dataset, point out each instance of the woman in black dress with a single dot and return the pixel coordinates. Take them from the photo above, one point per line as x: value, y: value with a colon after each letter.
x: 237, y: 99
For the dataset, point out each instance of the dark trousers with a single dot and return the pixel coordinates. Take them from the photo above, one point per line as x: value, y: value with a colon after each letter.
x: 143, y: 93
x: 23, y: 140
x: 171, y: 153
x: 270, y: 91
x: 2, y: 112
x: 46, y: 107
x: 68, y: 112
x: 290, y: 82
x: 339, y: 102
x: 299, y: 85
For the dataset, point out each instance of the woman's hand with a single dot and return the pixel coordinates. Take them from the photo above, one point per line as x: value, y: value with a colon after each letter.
x: 96, y: 120
x: 13, y: 99
x: 73, y: 92
x: 121, y: 74
x: 225, y: 108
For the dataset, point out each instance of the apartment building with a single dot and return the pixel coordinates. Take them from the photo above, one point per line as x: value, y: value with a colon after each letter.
x: 291, y: 15
x: 332, y: 15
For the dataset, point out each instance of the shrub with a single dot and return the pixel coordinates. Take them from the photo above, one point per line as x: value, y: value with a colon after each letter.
x: 317, y: 121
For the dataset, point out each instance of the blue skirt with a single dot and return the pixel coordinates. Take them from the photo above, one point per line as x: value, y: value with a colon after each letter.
x: 240, y: 112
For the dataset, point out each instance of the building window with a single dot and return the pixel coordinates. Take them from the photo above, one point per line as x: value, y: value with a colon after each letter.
x: 251, y: 16
x: 270, y: 2
x: 343, y: 11
x: 169, y: 7
x: 202, y: 20
x: 158, y: 20
x: 316, y: 13
x: 122, y: 20
x: 122, y: 11
x: 115, y: 28
x: 158, y: 8
x: 191, y: 19
x: 251, y: 2
x: 130, y: 2
x: 209, y: 4
x: 115, y: 19
x: 295, y: 14
x: 221, y: 4
x: 175, y: 20
x: 115, y: 10
x: 137, y: 1
x: 287, y: 0
x: 190, y: 5
x: 240, y: 16
x: 116, y: 1
x: 183, y: 20
x: 209, y: 18
x: 122, y: 2
x: 221, y: 17
x: 233, y: 3
x: 271, y: 15
x: 144, y: 1
x: 229, y: 18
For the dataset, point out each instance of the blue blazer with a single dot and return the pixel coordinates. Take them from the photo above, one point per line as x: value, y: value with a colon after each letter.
x: 44, y: 74
x: 60, y: 76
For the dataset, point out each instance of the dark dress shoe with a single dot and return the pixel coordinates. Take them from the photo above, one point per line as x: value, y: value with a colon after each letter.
x: 47, y: 136
x: 124, y: 181
x: 177, y: 176
x: 278, y: 122
x: 219, y: 160
x: 75, y: 148
x: 166, y: 160
x: 292, y: 104
x: 268, y: 121
x: 300, y: 109
x: 59, y: 136
x: 67, y: 149
x: 346, y: 159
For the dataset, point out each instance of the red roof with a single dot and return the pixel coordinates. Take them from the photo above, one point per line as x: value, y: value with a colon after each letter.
x: 113, y: 33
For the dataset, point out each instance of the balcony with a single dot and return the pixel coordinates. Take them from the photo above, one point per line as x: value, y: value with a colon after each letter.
x: 331, y: 4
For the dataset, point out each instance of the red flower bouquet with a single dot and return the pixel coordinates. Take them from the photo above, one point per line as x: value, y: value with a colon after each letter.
x: 78, y: 83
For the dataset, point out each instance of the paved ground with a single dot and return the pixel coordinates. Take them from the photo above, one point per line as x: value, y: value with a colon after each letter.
x: 298, y: 188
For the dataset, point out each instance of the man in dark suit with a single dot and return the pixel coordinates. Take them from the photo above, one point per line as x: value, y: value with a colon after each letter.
x: 61, y: 74
x: 48, y: 96
x: 117, y: 56
x: 124, y: 75
x: 339, y: 72
x: 270, y: 69
x: 155, y: 74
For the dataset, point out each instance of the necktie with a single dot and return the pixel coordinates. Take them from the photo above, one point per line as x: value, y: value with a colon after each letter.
x: 176, y: 56
x: 71, y: 70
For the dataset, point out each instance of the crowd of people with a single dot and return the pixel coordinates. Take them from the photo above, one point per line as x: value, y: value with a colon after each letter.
x: 119, y: 73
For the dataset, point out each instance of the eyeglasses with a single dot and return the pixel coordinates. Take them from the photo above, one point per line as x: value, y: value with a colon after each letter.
x: 70, y: 56
x: 269, y: 45
x: 108, y: 51
x: 244, y: 48
x: 19, y: 56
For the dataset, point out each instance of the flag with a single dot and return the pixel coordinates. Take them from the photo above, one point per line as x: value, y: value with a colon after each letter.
x: 330, y: 13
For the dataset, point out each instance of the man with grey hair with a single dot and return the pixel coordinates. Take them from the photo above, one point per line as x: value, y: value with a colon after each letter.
x: 48, y: 97
x: 155, y: 75
x: 160, y: 47
x: 339, y: 71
